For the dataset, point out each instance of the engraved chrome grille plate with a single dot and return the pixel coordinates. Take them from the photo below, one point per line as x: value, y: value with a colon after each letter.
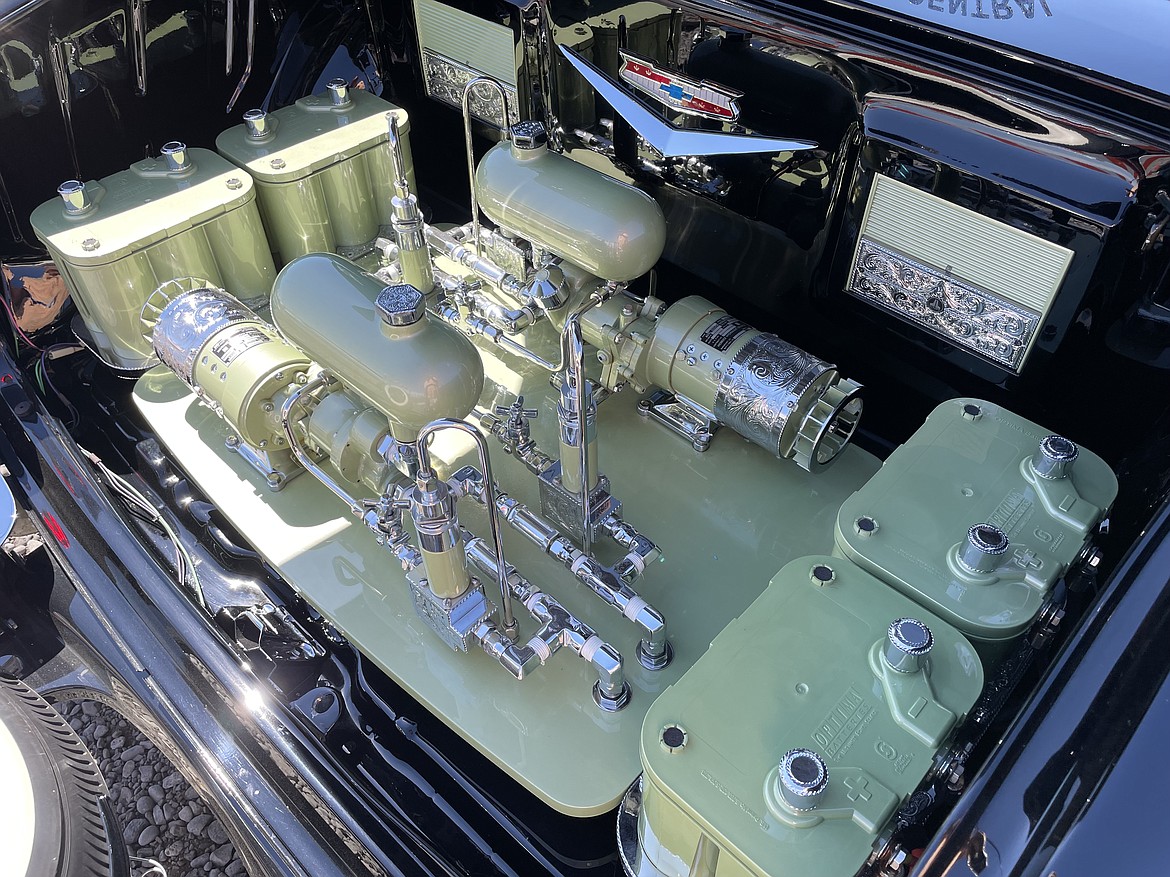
x: 972, y: 318
x: 445, y: 80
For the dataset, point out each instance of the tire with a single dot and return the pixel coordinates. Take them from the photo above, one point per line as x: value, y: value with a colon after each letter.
x: 58, y: 821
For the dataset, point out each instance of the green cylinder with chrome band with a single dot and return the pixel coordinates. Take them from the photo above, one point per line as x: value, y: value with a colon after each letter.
x: 231, y: 358
x: 771, y: 392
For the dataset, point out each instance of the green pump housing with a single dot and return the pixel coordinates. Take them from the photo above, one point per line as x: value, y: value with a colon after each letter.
x: 149, y: 224
x: 969, y: 464
x: 607, y: 227
x: 323, y: 171
x: 803, y: 667
x: 413, y: 373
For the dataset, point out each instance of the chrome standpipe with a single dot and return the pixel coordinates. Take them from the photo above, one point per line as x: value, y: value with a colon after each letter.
x: 413, y: 255
x: 466, y: 105
x: 426, y: 472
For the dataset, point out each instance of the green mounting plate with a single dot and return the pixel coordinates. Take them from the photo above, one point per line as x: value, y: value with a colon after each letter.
x: 726, y: 521
x: 802, y: 667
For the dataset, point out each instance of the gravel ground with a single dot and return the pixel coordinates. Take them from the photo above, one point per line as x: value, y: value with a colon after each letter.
x: 162, y: 817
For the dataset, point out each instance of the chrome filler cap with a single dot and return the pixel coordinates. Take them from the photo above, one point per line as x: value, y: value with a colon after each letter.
x: 529, y: 135
x: 401, y: 305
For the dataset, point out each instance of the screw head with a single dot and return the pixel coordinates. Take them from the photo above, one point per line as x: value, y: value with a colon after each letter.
x: 90, y: 244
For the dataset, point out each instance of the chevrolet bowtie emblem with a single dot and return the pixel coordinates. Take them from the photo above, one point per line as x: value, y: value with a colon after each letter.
x: 707, y: 99
x: 670, y: 141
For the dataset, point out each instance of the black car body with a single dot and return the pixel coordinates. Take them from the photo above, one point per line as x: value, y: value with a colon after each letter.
x: 1032, y: 115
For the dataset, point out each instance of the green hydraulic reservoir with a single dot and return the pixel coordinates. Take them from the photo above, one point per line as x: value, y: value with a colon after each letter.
x: 379, y: 340
x: 607, y: 227
x: 186, y: 213
x: 790, y: 744
x: 322, y: 168
x: 977, y: 516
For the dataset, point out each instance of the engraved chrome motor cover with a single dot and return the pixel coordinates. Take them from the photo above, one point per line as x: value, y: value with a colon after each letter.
x: 788, y: 401
x: 182, y: 315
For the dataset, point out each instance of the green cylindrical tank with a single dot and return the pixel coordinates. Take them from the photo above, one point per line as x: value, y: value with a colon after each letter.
x: 605, y: 226
x: 413, y: 373
x: 117, y: 240
x: 323, y: 171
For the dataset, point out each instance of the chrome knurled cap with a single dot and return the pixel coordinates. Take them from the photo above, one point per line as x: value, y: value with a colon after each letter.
x: 803, y: 778
x: 909, y: 641
x: 1054, y: 456
x: 983, y: 547
x: 401, y: 304
x: 529, y: 135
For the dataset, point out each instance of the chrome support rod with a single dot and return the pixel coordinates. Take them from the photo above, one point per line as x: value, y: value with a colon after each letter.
x: 510, y: 627
x: 250, y: 52
x: 467, y: 92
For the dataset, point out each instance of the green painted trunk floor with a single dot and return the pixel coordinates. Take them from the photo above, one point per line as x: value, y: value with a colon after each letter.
x: 726, y: 520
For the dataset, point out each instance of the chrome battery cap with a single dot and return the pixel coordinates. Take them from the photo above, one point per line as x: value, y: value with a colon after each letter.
x: 339, y: 92
x: 401, y: 305
x: 75, y: 196
x: 529, y: 135
x: 803, y: 778
x: 909, y: 641
x: 1054, y: 456
x: 175, y: 155
x: 257, y: 124
x: 983, y: 547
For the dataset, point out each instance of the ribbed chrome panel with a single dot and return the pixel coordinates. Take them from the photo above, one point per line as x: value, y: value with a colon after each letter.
x: 975, y: 281
x: 467, y: 39
x: 964, y: 244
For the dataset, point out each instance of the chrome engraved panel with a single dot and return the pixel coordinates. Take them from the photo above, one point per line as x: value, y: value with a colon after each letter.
x: 972, y: 318
x: 445, y: 80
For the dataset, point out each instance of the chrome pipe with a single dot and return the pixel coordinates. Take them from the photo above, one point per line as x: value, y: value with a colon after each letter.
x: 322, y: 380
x: 466, y: 105
x: 427, y: 471
x: 560, y: 629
